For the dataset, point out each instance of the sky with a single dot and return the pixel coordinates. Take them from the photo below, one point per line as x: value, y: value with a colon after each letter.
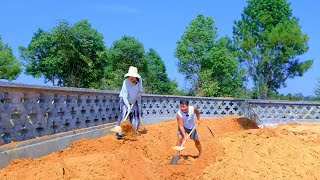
x: 157, y: 24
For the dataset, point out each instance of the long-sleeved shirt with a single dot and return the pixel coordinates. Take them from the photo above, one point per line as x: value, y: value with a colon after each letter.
x: 130, y: 91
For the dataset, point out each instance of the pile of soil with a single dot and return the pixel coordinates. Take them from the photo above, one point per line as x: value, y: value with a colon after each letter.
x: 287, y: 151
x: 128, y: 129
x: 240, y: 150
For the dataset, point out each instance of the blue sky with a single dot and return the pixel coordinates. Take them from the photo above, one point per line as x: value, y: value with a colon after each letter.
x: 157, y: 24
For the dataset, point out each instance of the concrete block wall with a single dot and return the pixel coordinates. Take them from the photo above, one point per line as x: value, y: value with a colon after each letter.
x: 29, y: 111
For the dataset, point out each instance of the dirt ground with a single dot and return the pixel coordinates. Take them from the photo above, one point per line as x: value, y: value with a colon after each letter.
x: 239, y: 150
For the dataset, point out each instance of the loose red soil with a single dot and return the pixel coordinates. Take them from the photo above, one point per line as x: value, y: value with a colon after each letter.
x: 239, y: 150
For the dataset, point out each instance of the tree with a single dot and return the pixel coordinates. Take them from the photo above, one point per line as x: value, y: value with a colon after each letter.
x: 269, y: 41
x: 10, y: 68
x: 191, y: 50
x: 221, y: 76
x: 124, y: 53
x: 156, y: 80
x: 69, y: 55
x: 317, y: 89
x: 210, y: 65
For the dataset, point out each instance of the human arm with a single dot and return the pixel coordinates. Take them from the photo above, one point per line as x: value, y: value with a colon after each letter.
x: 180, y: 125
x: 124, y: 94
x: 140, y: 89
x: 196, y: 111
x: 140, y: 86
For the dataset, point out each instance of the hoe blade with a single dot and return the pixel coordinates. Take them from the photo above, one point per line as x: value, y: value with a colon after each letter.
x: 174, y: 160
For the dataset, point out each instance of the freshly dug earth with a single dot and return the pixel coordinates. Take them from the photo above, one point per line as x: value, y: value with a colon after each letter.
x: 287, y: 151
x: 240, y: 150
x: 128, y: 129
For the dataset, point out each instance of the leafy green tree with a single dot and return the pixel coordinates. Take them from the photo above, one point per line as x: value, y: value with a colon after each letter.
x: 124, y: 53
x: 156, y: 79
x: 40, y: 57
x: 220, y: 75
x: 10, y: 68
x: 67, y: 55
x: 192, y: 49
x: 269, y: 40
x: 210, y: 65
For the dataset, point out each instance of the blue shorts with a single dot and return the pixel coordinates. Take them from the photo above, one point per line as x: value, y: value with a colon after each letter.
x: 193, y: 136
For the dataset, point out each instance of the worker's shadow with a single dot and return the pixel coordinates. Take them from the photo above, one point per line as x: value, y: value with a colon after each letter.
x: 130, y: 138
x: 187, y: 156
x: 142, y: 131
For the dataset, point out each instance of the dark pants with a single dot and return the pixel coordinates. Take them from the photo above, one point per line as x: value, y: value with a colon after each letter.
x: 133, y: 116
x: 194, y: 134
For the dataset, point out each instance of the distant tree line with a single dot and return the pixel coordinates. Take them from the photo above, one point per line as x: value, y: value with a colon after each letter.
x: 76, y: 56
x: 10, y: 67
x: 264, y: 50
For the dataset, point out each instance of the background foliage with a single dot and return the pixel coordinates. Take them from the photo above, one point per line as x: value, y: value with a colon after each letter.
x: 257, y: 61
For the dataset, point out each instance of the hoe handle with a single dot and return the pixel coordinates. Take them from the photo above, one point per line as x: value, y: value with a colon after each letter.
x: 135, y: 99
x: 189, y: 134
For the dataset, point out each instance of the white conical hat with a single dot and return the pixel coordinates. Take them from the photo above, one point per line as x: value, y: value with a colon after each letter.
x: 133, y: 71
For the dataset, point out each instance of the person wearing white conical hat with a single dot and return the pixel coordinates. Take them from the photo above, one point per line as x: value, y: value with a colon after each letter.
x: 130, y: 93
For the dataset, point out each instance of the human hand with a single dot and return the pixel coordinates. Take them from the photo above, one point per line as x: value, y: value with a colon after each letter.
x: 185, y: 138
x: 130, y: 109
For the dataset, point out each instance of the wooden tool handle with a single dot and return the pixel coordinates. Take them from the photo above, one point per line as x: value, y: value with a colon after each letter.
x: 135, y: 99
x: 189, y: 134
x: 126, y: 117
